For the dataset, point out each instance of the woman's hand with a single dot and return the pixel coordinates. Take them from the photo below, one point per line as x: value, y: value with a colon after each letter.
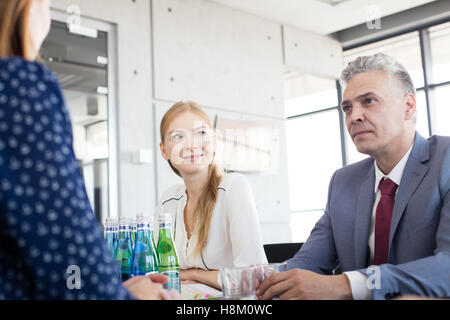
x: 150, y: 288
x: 189, y: 274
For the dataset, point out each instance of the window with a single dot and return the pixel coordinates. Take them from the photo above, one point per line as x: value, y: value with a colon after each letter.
x: 306, y: 93
x: 440, y: 52
x: 311, y: 108
x: 442, y: 96
x: 81, y: 66
x: 308, y: 185
x: 440, y: 88
x: 422, y: 114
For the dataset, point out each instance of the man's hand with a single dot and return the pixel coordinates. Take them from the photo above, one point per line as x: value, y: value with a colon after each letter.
x: 150, y: 288
x: 299, y: 284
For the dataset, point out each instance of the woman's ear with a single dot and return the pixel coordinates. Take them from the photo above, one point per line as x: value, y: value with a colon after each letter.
x: 163, y: 151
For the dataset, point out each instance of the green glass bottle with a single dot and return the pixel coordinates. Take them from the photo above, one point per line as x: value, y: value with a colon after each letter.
x: 133, y: 225
x: 152, y: 235
x: 124, y: 252
x: 145, y: 258
x: 112, y: 234
x: 168, y: 260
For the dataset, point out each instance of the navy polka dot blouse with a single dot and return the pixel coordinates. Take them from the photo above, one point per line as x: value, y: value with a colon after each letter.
x: 51, y: 245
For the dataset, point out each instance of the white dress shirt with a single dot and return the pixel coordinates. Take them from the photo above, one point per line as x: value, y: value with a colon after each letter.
x: 234, y: 237
x: 358, y: 281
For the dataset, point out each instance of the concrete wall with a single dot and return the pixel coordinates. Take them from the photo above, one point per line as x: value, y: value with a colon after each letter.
x: 231, y: 63
x: 228, y: 61
x: 301, y: 48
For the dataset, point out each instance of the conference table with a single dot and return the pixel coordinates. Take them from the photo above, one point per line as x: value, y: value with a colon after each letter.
x: 199, y: 291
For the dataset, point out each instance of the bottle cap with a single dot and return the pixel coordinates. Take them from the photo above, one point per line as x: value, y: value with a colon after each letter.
x: 111, y: 222
x: 124, y: 221
x: 144, y: 219
x: 165, y: 217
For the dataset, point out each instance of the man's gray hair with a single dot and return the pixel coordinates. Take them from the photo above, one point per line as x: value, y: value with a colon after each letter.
x: 379, y: 62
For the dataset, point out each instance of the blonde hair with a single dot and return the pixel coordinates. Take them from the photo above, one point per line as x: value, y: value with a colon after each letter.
x: 203, y: 210
x: 15, y: 39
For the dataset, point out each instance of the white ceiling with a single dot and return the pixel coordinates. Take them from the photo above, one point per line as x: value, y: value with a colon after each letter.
x: 318, y: 16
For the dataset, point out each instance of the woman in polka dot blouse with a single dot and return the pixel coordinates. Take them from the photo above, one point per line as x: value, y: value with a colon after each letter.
x: 51, y: 246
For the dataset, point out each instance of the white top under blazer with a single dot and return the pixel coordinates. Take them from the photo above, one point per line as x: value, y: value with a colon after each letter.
x: 234, y: 237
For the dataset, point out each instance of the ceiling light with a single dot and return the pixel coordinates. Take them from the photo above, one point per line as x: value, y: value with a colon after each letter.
x: 333, y: 2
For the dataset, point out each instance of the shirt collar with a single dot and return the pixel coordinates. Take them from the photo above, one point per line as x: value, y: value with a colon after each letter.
x: 396, y: 173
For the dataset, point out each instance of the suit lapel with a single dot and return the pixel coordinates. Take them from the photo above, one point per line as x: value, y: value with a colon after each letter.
x: 413, y: 174
x: 363, y: 218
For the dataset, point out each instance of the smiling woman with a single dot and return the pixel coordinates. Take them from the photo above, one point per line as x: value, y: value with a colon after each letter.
x: 215, y: 219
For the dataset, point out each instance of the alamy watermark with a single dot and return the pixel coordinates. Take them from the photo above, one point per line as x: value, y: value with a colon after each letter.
x: 74, y: 279
x: 373, y: 21
x: 374, y: 277
x: 252, y: 147
x: 74, y: 18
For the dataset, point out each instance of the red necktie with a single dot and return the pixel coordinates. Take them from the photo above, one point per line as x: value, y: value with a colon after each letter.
x: 383, y: 220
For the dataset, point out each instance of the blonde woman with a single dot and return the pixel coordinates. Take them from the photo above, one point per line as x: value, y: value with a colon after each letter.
x: 214, y: 214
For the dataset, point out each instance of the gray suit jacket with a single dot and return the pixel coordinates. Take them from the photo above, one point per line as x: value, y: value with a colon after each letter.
x: 419, y: 241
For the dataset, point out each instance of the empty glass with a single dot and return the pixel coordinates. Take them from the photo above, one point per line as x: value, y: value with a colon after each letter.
x: 263, y: 271
x: 239, y: 283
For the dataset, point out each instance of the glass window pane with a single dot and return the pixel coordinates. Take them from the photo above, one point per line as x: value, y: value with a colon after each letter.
x: 302, y: 224
x: 81, y: 66
x: 440, y: 52
x: 313, y: 156
x: 353, y: 154
x: 405, y: 49
x: 306, y: 93
x: 422, y: 114
x: 442, y: 96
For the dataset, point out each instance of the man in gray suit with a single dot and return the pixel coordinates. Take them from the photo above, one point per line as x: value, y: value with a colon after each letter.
x: 387, y: 221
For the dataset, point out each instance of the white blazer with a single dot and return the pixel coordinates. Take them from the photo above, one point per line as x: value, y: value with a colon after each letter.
x: 234, y: 237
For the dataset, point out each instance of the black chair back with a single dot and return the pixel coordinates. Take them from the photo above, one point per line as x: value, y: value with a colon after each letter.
x: 279, y: 252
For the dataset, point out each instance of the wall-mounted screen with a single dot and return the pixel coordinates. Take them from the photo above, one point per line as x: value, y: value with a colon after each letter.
x: 245, y: 146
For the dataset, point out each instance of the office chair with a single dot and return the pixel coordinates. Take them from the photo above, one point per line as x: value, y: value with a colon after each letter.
x: 279, y: 252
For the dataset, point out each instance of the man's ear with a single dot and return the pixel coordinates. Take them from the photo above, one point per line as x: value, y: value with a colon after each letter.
x: 163, y: 151
x: 410, y: 102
